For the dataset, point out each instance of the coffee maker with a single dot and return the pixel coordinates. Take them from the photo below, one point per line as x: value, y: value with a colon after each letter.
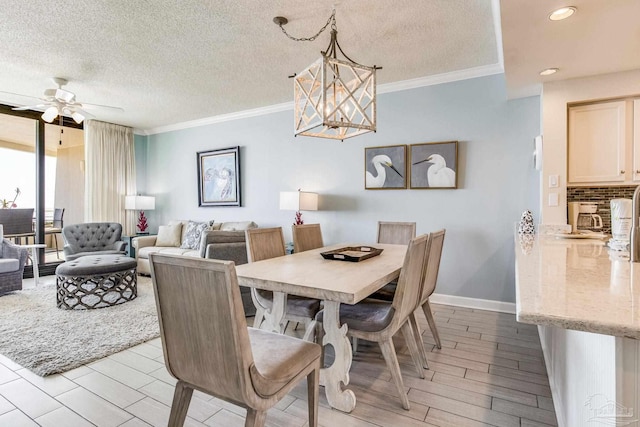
x: 582, y: 217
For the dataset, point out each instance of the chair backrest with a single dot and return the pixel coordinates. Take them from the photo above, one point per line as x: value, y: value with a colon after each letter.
x: 306, y: 237
x: 410, y: 280
x: 91, y: 236
x: 202, y: 324
x: 17, y: 221
x: 264, y: 243
x: 58, y: 218
x: 432, y: 265
x: 396, y: 233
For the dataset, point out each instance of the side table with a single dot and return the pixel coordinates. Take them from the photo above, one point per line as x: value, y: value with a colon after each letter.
x: 131, y: 251
x: 34, y: 259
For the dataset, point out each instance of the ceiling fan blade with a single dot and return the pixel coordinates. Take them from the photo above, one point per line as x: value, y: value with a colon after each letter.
x: 20, y: 95
x: 94, y: 106
x: 30, y: 107
x: 84, y: 113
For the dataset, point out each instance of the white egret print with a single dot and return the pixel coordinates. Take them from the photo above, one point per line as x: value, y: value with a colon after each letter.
x: 219, y: 177
x: 385, y: 167
x: 434, y: 165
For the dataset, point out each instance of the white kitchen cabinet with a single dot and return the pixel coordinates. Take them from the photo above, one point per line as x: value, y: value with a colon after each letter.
x: 599, y: 144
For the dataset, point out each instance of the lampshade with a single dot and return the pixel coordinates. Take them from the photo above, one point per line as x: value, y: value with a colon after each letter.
x: 335, y: 99
x: 139, y: 203
x: 298, y: 201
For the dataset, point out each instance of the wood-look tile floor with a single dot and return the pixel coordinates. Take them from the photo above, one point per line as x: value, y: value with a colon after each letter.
x: 490, y: 371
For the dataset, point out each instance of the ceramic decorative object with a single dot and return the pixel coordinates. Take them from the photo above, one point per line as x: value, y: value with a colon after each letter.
x: 526, y: 243
x: 526, y: 223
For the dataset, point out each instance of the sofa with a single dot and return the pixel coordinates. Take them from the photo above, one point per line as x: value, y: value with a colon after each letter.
x: 224, y: 240
x: 92, y: 238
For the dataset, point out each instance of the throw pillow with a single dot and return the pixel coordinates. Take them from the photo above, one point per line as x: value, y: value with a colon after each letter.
x: 191, y: 239
x: 238, y: 226
x: 169, y: 235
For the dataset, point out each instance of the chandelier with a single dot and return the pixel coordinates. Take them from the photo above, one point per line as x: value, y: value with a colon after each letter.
x: 333, y: 98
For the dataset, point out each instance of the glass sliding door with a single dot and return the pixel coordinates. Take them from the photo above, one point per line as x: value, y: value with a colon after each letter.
x: 42, y: 178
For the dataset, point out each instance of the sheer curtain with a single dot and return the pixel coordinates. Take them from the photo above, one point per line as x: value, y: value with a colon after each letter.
x: 110, y: 173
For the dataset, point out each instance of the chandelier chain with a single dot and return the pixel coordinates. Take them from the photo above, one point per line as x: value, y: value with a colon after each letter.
x: 331, y: 20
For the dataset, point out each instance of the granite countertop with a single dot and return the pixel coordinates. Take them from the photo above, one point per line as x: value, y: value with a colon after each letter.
x: 577, y: 284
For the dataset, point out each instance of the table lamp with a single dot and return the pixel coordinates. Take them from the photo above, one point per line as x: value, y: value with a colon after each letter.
x: 298, y: 201
x: 140, y: 203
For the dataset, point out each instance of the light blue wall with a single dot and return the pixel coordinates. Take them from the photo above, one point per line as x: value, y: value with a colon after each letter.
x: 496, y: 177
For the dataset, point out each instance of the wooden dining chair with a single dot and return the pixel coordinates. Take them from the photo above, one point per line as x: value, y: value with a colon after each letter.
x: 430, y: 278
x: 306, y: 237
x: 396, y: 233
x: 378, y: 321
x: 393, y: 233
x: 265, y: 243
x: 208, y: 347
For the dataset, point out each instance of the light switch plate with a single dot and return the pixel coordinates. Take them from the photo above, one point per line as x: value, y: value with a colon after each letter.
x: 553, y: 181
x: 553, y: 199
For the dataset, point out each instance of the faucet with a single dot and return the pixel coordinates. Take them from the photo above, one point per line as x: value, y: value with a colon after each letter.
x: 634, y: 248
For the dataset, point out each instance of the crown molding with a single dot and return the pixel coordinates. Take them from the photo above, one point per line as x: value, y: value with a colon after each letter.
x: 469, y: 73
x: 436, y: 79
x: 261, y: 111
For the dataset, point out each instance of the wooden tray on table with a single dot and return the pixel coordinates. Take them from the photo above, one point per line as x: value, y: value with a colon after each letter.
x: 352, y: 253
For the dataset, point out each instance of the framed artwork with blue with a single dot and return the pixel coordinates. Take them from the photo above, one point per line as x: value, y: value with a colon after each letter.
x: 219, y: 177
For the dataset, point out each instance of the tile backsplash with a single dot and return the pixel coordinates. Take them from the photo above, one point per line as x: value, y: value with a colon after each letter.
x: 602, y: 196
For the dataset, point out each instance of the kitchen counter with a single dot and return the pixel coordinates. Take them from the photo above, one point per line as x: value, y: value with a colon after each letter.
x: 577, y: 284
x: 586, y: 303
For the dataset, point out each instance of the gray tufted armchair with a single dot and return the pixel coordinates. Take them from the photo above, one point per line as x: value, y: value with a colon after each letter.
x: 92, y: 238
x: 12, y: 261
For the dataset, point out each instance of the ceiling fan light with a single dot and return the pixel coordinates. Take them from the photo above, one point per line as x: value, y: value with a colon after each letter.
x: 50, y: 114
x: 77, y: 117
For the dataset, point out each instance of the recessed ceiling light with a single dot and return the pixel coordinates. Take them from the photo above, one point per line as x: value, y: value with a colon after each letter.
x: 562, y: 13
x: 549, y: 71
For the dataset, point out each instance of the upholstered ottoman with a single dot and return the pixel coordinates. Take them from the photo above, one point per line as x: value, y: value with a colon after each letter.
x: 96, y: 281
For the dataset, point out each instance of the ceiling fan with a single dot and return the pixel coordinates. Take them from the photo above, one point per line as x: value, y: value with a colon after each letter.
x: 61, y: 102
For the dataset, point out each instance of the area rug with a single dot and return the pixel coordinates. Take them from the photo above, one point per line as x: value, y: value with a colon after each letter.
x: 37, y: 335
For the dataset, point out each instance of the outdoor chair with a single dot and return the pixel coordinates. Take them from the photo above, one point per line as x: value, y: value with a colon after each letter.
x: 17, y: 223
x: 56, y: 228
x: 208, y: 347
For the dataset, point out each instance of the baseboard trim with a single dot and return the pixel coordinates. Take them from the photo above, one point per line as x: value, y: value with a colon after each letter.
x: 481, y: 304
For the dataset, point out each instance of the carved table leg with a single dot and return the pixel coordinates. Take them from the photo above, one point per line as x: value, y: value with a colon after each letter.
x: 274, y: 318
x: 335, y: 378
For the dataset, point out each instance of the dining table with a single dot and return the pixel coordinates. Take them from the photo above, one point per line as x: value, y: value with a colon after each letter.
x: 335, y: 282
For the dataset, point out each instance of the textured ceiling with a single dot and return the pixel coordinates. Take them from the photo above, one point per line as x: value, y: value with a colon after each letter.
x: 167, y: 62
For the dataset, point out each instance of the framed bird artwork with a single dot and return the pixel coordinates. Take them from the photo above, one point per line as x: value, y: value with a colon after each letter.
x: 434, y: 165
x: 219, y: 177
x: 385, y: 168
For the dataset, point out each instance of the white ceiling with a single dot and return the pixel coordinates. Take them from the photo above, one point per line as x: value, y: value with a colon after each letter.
x: 168, y: 62
x: 603, y: 36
